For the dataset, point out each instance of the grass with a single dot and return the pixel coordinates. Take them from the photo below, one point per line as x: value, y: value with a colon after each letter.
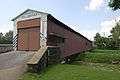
x: 100, y: 56
x: 74, y: 72
x: 99, y: 69
x: 106, y: 51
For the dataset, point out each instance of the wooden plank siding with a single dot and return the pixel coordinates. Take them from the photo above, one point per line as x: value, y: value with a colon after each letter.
x: 28, y: 35
x: 73, y: 43
x: 28, y: 23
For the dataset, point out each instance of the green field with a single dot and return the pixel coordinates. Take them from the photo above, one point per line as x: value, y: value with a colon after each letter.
x: 75, y: 72
x: 100, y: 56
x: 80, y: 71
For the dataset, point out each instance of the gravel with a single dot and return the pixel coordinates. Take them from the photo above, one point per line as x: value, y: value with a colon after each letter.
x: 13, y: 58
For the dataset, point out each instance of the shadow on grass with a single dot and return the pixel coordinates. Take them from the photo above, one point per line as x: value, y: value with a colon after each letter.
x: 43, y: 70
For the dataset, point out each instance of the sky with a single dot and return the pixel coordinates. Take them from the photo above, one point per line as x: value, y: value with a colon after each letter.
x: 84, y: 16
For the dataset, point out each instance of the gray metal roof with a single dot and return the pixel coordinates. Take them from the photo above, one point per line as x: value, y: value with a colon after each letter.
x: 55, y: 20
x: 25, y: 12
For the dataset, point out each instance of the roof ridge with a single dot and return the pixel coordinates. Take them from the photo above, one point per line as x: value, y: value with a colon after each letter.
x: 26, y: 11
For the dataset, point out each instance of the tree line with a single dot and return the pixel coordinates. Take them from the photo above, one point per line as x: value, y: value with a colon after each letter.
x: 113, y: 40
x: 110, y: 42
x: 6, y: 38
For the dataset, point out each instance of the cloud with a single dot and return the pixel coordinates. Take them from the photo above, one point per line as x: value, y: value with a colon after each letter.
x: 88, y: 33
x: 5, y: 28
x: 94, y: 4
x: 106, y: 26
x: 104, y: 30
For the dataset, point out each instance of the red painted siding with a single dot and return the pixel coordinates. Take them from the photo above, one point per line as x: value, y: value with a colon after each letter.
x: 28, y: 23
x: 28, y: 39
x: 28, y: 34
x: 73, y: 43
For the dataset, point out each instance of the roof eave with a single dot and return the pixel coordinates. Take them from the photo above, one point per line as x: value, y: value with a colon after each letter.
x: 67, y: 27
x: 26, y: 11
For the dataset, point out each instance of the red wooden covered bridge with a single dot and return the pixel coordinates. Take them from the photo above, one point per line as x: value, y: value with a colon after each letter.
x: 51, y: 39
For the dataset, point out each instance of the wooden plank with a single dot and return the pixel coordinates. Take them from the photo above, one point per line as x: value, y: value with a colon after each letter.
x: 37, y: 56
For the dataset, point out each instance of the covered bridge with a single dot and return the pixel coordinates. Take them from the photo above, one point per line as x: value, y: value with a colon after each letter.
x: 41, y: 32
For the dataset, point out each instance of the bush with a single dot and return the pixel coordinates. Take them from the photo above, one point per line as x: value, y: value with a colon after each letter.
x: 100, y: 56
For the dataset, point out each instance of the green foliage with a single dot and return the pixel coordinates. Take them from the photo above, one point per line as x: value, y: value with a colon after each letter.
x: 114, y: 4
x: 1, y: 37
x: 7, y: 38
x: 97, y: 39
x: 103, y: 42
x: 111, y: 42
x: 116, y: 35
x: 100, y: 56
x: 105, y: 51
x: 74, y: 72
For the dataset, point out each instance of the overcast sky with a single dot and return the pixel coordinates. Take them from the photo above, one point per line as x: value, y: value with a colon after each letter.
x: 85, y: 16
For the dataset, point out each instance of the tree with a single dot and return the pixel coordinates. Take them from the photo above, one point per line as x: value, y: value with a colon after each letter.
x: 1, y: 37
x: 114, y: 4
x: 116, y: 35
x: 110, y: 42
x: 103, y: 42
x: 97, y: 40
x: 8, y: 37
